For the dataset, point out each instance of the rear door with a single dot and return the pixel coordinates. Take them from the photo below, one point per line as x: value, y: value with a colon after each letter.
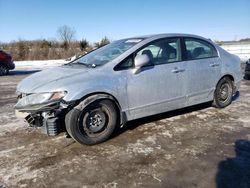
x: 203, y: 70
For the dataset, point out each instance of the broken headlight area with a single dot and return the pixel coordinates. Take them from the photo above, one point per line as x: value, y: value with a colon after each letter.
x: 33, y: 102
x: 43, y: 110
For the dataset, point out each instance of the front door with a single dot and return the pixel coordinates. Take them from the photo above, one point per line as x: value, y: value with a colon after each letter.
x: 160, y: 86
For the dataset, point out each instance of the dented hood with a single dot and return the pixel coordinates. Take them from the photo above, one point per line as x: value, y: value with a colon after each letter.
x: 53, y: 75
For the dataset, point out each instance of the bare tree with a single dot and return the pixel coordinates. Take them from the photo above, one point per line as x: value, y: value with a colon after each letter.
x: 66, y: 35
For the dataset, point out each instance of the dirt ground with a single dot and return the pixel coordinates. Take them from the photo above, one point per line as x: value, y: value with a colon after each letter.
x: 194, y: 147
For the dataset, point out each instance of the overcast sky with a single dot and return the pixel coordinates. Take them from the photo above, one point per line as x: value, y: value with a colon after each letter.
x: 94, y: 19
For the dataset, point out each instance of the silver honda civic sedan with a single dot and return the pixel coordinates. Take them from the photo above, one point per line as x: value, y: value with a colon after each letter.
x: 125, y: 80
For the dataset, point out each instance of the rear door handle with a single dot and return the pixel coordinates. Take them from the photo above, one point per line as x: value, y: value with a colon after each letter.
x: 214, y: 64
x: 176, y: 70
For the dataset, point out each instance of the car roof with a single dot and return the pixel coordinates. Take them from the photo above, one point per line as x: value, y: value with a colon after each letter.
x: 163, y: 35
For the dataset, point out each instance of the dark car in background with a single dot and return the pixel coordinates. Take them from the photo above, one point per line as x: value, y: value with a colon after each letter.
x: 6, y: 63
x: 247, y: 70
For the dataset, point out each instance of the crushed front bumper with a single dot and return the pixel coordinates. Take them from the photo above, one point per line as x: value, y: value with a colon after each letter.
x: 47, y: 116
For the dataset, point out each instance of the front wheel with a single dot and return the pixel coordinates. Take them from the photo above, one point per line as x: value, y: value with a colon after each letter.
x: 93, y: 124
x: 223, y: 93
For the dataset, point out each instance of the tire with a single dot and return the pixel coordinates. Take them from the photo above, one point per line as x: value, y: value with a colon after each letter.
x: 3, y: 70
x: 93, y: 124
x: 247, y: 77
x: 223, y: 93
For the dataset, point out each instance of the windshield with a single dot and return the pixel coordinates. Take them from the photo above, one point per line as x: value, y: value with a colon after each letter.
x: 107, y: 53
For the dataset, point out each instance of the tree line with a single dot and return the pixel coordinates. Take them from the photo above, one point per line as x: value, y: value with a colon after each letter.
x: 45, y: 49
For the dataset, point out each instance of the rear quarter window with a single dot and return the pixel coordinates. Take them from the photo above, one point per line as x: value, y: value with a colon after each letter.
x: 199, y: 49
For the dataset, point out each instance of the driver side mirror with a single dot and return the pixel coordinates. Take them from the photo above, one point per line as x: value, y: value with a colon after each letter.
x: 140, y: 61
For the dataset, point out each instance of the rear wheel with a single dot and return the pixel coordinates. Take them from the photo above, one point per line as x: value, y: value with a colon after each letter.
x: 3, y: 70
x: 223, y: 93
x: 93, y: 124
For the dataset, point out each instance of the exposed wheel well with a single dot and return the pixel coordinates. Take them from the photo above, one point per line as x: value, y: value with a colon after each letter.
x: 229, y: 76
x: 87, y: 99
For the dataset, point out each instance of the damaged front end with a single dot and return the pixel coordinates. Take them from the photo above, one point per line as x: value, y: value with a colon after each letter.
x: 43, y: 110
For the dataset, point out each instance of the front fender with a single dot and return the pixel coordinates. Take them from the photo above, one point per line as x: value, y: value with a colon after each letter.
x: 99, y: 96
x: 88, y: 100
x: 80, y: 92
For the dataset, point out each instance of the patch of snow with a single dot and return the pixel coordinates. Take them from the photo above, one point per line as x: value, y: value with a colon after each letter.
x: 156, y: 178
x: 228, y: 127
x: 19, y: 173
x: 111, y: 185
x: 191, y: 151
x: 168, y: 156
x: 180, y: 129
x: 151, y: 139
x: 246, y: 122
x: 174, y: 118
x: 201, y: 116
x: 10, y: 127
x: 4, y: 152
x: 139, y: 148
x: 8, y: 152
x: 38, y: 65
x: 166, y: 133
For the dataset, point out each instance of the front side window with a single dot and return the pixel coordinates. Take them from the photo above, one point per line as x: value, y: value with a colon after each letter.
x: 198, y: 49
x: 163, y: 51
x: 125, y: 64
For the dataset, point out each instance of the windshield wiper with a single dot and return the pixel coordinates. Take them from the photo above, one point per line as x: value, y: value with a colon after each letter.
x: 81, y: 63
x: 84, y: 64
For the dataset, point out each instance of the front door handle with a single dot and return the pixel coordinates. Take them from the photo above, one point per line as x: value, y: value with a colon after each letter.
x: 214, y: 64
x: 176, y: 70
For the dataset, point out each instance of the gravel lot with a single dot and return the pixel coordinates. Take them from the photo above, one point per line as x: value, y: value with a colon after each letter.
x: 194, y: 147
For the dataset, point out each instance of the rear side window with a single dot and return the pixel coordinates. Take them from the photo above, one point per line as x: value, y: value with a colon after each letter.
x: 199, y: 49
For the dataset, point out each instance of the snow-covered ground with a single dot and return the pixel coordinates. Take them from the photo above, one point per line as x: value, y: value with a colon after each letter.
x: 38, y: 65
